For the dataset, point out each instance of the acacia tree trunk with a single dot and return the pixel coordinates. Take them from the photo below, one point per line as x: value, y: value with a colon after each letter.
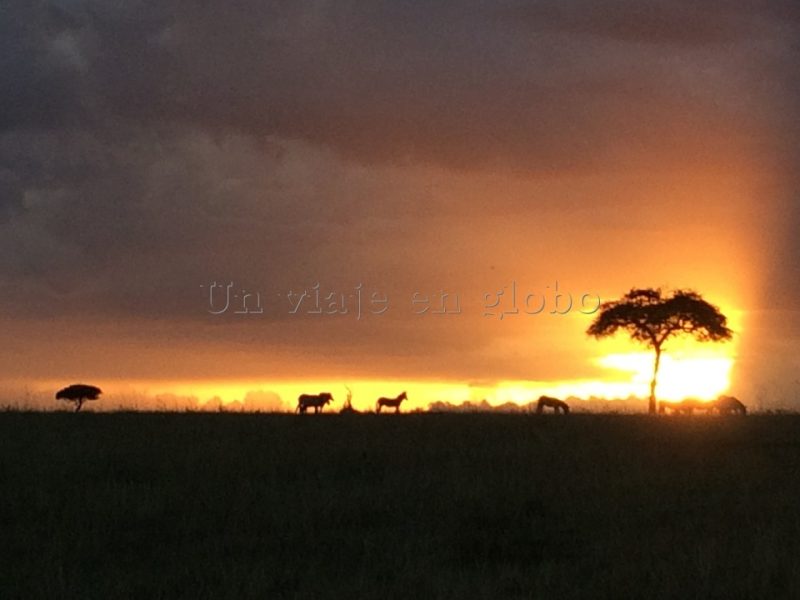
x: 652, y: 404
x: 78, y: 404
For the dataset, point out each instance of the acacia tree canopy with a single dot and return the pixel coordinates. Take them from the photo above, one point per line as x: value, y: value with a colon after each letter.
x: 650, y: 316
x: 79, y: 393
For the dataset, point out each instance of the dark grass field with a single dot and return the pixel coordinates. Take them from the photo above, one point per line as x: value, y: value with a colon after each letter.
x: 422, y: 506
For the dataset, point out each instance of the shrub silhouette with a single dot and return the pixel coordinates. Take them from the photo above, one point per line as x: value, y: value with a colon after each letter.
x: 348, y: 409
x: 79, y: 393
x: 687, y: 406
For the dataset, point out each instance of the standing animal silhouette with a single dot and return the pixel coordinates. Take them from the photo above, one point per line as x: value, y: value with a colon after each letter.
x: 391, y: 403
x: 315, y: 401
x: 558, y: 406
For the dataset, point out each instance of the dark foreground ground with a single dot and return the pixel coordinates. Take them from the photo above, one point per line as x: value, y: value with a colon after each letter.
x: 416, y: 506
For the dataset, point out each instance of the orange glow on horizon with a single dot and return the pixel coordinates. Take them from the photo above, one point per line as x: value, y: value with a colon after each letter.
x: 688, y: 369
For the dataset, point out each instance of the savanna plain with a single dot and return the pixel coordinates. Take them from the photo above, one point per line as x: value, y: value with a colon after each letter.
x: 196, y: 505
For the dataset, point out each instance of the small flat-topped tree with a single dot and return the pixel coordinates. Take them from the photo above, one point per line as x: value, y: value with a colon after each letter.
x: 79, y: 393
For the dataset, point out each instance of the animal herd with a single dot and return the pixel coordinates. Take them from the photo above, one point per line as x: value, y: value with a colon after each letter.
x: 724, y: 405
x: 318, y: 402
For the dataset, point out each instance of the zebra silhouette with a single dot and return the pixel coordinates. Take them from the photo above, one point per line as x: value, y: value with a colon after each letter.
x: 315, y: 401
x: 391, y: 403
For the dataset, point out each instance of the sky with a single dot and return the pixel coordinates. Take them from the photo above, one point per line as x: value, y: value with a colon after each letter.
x: 413, y: 153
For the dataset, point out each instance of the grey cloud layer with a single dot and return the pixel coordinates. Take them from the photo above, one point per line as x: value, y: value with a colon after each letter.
x: 148, y: 147
x: 137, y: 130
x: 541, y: 85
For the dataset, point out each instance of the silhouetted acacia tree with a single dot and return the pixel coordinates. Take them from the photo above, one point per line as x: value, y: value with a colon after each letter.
x: 79, y: 393
x: 651, y: 317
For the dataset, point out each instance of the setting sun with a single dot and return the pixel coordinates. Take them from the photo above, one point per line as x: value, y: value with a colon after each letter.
x: 681, y: 376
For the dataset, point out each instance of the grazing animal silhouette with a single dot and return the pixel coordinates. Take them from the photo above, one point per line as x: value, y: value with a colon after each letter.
x: 317, y: 401
x: 727, y: 405
x: 558, y: 406
x: 391, y: 402
x: 686, y: 406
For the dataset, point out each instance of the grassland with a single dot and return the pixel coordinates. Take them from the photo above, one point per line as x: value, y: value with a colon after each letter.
x: 422, y: 506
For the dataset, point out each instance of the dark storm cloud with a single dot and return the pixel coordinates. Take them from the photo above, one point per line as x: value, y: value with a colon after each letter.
x: 106, y: 220
x: 39, y: 70
x: 428, y: 82
x: 540, y: 85
x: 96, y: 95
x: 680, y: 22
